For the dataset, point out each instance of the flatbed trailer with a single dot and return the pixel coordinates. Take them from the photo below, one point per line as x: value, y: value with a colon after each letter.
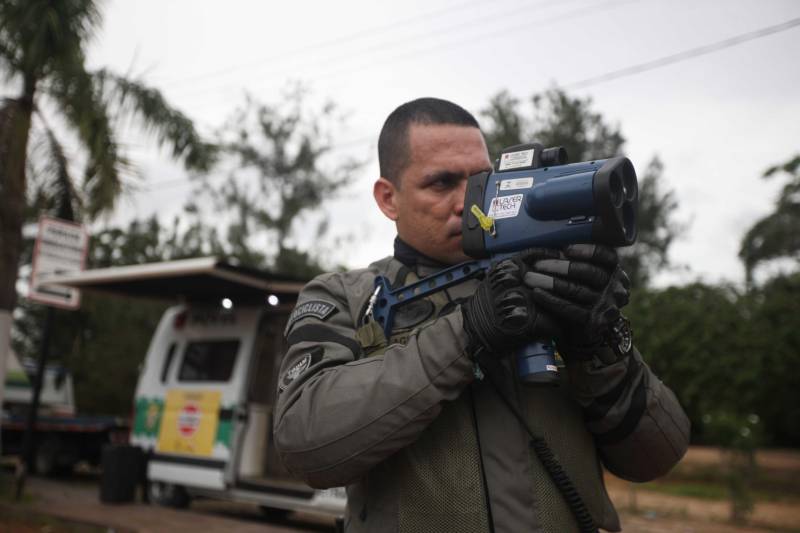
x: 61, y: 442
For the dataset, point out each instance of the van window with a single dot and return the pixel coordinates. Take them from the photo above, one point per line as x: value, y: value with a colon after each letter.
x: 167, y: 362
x: 208, y: 361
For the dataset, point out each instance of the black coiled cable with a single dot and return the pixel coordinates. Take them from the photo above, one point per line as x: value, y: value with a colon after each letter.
x: 543, y: 452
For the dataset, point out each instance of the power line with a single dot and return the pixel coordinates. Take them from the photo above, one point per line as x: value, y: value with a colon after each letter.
x: 505, y: 30
x: 403, y: 41
x: 686, y: 54
x: 328, y: 43
x: 364, y: 140
x: 469, y: 39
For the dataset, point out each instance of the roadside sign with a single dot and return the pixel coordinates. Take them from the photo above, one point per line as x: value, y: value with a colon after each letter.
x: 60, y: 249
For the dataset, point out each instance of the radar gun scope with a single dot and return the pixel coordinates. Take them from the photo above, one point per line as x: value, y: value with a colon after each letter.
x: 532, y: 198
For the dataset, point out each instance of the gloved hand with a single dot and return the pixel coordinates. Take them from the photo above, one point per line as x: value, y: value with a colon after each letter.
x: 585, y: 290
x: 501, y: 315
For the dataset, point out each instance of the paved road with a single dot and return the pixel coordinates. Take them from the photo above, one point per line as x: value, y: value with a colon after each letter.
x: 78, y: 500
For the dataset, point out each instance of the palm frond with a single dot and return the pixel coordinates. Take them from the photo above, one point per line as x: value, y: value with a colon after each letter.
x: 170, y: 126
x: 85, y: 110
x: 52, y: 180
x: 37, y: 36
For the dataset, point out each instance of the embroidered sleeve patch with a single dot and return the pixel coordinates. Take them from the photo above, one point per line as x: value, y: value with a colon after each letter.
x: 311, y: 358
x: 317, y: 308
x: 295, y: 370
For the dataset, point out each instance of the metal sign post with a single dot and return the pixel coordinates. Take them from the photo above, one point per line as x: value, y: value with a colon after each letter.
x: 60, y: 248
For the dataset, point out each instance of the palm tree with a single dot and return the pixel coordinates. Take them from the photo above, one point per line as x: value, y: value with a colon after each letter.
x: 42, y: 55
x: 777, y: 235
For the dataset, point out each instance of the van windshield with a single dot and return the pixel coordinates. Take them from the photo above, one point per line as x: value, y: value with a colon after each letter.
x: 209, y: 360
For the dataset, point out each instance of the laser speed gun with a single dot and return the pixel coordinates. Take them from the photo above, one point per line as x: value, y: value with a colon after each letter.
x: 532, y: 198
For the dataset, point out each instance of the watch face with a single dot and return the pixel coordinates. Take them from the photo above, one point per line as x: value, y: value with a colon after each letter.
x: 623, y: 335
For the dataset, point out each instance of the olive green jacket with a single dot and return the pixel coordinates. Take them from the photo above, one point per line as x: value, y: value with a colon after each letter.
x: 422, y: 445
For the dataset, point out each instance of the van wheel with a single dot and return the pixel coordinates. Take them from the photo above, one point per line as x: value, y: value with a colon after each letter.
x: 273, y: 514
x: 168, y: 495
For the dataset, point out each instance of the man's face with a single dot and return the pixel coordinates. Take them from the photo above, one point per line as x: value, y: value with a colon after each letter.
x: 428, y: 201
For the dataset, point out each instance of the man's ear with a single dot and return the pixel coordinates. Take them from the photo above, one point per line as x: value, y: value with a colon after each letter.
x: 385, y: 194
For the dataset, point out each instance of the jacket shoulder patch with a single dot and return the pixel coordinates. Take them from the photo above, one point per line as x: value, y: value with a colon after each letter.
x: 317, y: 308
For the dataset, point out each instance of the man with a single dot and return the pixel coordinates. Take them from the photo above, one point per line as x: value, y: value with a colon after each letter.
x: 422, y: 437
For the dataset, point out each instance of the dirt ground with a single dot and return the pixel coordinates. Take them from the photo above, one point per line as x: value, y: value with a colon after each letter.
x: 645, y: 510
x: 641, y: 509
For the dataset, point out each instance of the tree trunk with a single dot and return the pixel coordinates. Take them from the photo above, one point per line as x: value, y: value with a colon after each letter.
x: 15, y: 124
x: 5, y: 341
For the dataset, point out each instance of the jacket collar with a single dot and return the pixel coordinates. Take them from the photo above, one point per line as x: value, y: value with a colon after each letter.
x: 413, y: 258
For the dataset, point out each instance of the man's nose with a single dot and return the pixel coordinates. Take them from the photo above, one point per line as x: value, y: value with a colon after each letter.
x: 459, y: 198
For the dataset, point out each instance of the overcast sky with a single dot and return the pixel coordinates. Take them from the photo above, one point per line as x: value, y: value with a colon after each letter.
x: 716, y: 120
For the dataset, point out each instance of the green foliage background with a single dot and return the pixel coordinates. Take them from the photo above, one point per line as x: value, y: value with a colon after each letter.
x: 722, y: 350
x: 727, y: 352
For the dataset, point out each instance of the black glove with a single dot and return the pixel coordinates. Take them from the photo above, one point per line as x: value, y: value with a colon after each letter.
x: 501, y: 315
x: 585, y: 290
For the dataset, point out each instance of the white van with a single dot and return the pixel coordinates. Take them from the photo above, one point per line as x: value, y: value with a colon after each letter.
x: 204, y: 400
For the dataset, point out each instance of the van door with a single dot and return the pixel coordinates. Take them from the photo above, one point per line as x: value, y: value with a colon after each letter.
x: 201, y: 397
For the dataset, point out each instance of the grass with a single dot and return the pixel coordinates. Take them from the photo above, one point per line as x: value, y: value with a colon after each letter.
x: 703, y: 491
x: 18, y: 515
x: 776, y: 482
x: 20, y: 518
x: 715, y: 489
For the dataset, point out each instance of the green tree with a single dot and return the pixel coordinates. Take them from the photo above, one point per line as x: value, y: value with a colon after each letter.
x: 698, y: 339
x: 776, y: 235
x: 726, y: 352
x: 278, y: 172
x: 774, y: 334
x: 103, y: 345
x: 658, y: 228
x: 150, y: 241
x: 42, y: 55
x: 556, y: 119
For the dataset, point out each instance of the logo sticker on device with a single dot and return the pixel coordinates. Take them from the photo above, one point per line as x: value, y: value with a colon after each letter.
x: 509, y: 160
x: 505, y: 206
x: 518, y: 183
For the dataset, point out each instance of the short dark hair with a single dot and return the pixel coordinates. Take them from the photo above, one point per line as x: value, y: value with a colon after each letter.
x: 393, y: 142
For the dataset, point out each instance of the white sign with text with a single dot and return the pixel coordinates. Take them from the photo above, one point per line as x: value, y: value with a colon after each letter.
x: 60, y: 249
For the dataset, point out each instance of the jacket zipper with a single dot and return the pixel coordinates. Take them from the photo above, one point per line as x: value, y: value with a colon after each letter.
x: 480, y: 461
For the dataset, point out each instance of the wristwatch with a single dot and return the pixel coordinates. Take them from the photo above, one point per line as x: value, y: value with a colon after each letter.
x: 620, y: 336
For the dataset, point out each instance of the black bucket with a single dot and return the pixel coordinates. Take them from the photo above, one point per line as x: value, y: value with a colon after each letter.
x: 122, y: 472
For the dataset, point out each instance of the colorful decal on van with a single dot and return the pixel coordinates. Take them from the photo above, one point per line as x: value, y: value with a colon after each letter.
x: 147, y: 417
x: 224, y: 428
x: 190, y: 422
x: 149, y: 412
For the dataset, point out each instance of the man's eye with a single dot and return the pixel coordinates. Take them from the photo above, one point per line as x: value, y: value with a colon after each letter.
x: 442, y: 183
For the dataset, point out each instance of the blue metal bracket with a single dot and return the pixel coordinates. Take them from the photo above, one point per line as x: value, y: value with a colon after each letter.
x: 388, y: 300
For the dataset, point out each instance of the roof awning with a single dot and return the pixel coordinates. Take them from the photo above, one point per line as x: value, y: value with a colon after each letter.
x: 205, y: 279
